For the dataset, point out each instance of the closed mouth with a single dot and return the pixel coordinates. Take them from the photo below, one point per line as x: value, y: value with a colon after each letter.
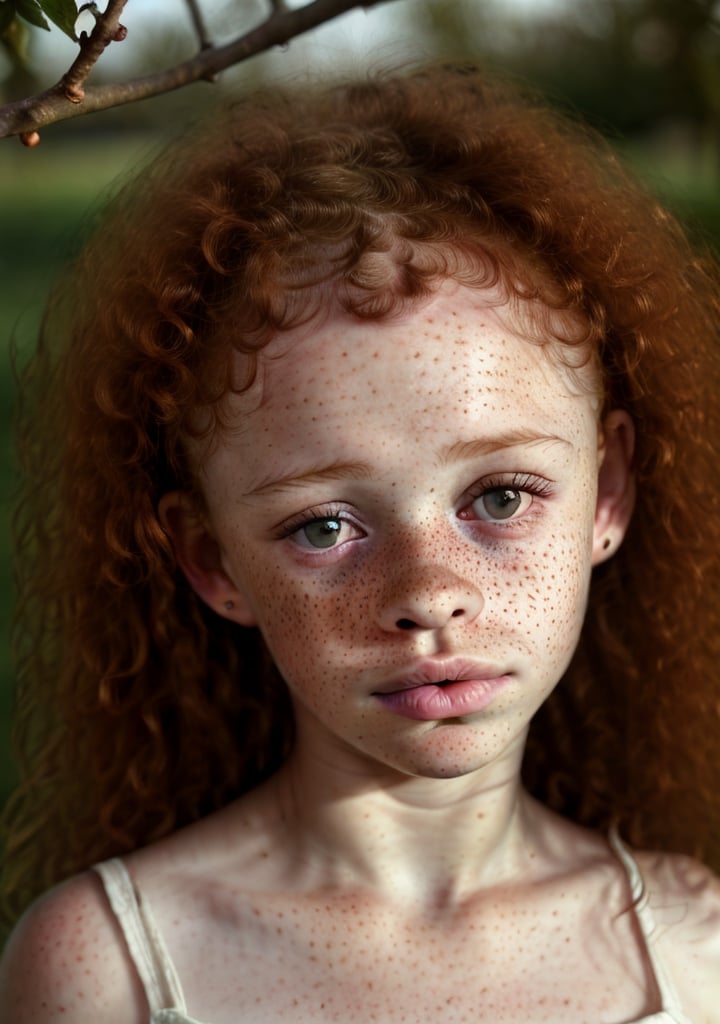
x: 439, y: 673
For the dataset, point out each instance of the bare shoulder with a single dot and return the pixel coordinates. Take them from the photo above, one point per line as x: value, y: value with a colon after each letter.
x: 66, y: 960
x: 684, y: 897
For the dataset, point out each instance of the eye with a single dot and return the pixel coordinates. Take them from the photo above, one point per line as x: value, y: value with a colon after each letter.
x: 501, y: 503
x: 319, y: 533
x: 505, y: 497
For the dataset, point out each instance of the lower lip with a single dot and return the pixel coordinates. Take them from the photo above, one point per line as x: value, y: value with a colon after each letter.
x: 453, y: 700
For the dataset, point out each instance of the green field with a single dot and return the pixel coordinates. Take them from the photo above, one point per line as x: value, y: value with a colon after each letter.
x: 46, y: 197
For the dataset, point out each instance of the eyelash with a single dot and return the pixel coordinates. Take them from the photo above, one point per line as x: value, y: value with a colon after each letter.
x: 527, y: 483
x: 524, y: 483
x: 310, y: 515
x: 538, y: 486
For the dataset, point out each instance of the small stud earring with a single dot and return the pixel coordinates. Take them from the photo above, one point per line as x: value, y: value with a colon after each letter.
x: 606, y: 543
x: 229, y: 605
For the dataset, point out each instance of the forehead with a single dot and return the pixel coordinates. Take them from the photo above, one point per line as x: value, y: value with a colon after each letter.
x: 457, y: 336
x: 458, y: 367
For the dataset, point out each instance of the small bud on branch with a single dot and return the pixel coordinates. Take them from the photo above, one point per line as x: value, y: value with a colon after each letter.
x: 75, y: 93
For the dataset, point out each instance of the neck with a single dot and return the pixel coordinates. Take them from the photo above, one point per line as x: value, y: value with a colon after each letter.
x: 425, y: 839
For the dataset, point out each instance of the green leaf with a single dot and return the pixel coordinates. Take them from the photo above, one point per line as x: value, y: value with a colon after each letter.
x: 15, y: 38
x: 7, y: 13
x: 31, y: 11
x: 62, y: 13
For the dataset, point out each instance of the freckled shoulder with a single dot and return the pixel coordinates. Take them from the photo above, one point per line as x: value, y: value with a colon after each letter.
x: 684, y: 897
x: 66, y: 961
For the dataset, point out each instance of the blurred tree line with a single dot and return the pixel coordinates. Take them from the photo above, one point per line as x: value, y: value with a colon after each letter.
x: 628, y: 65
x: 644, y: 72
x: 632, y: 67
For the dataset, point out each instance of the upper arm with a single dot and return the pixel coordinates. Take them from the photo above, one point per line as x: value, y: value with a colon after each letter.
x: 685, y: 900
x: 66, y: 961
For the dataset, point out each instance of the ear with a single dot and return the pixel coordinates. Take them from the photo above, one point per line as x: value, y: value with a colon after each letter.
x: 198, y: 555
x: 616, y: 485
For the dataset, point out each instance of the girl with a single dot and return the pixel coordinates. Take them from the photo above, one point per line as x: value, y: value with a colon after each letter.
x: 333, y: 663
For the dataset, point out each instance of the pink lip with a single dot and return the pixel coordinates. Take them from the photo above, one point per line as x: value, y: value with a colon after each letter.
x: 467, y: 687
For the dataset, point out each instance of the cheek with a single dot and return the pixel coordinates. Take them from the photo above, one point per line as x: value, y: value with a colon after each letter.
x: 552, y: 594
x: 532, y: 598
x: 536, y: 591
x: 307, y: 620
x: 317, y: 624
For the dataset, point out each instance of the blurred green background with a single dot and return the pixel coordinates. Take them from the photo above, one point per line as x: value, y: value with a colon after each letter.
x: 645, y: 72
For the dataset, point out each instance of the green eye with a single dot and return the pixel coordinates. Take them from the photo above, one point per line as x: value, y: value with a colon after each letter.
x: 322, y: 533
x: 498, y: 503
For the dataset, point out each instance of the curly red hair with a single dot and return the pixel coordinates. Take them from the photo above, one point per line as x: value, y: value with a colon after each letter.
x: 140, y: 710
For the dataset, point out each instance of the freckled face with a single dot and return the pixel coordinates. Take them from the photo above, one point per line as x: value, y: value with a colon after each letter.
x: 408, y: 499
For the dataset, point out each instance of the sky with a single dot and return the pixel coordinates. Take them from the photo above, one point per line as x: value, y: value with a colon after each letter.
x: 379, y: 34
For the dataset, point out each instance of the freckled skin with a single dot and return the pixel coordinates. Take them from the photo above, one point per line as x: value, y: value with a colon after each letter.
x: 393, y: 871
x: 511, y: 593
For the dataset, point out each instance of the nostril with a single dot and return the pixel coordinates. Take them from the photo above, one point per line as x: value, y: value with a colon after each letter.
x: 405, y: 624
x: 458, y: 611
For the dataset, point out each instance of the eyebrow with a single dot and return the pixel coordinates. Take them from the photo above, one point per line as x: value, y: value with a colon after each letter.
x: 314, y: 475
x: 464, y: 450
x: 458, y: 452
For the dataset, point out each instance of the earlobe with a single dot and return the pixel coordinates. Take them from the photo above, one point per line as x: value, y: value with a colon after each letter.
x: 616, y: 485
x: 198, y: 555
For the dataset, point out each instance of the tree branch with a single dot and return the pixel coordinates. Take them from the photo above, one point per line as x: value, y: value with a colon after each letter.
x: 107, y: 28
x: 198, y: 21
x: 26, y: 116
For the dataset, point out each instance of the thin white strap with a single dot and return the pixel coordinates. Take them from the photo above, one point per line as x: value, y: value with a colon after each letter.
x: 145, y: 945
x: 648, y: 927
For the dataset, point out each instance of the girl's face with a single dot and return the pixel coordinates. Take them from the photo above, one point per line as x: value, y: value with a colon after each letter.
x: 403, y: 504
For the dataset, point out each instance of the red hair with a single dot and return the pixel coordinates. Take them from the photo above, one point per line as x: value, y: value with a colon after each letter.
x: 139, y: 709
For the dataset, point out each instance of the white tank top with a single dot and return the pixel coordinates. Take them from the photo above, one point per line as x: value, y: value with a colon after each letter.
x: 165, y: 996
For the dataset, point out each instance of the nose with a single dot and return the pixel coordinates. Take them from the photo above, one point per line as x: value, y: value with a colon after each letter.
x: 428, y: 597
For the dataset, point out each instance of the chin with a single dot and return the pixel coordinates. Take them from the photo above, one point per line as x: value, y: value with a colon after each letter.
x: 441, y: 768
x: 455, y: 752
x: 446, y: 772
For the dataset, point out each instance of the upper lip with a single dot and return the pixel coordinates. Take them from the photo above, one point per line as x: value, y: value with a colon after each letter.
x: 439, y: 670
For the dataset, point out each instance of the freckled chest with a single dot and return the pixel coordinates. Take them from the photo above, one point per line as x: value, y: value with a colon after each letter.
x: 509, y: 958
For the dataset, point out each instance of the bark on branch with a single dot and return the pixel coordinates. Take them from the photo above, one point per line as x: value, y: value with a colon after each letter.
x: 27, y: 116
x: 92, y: 47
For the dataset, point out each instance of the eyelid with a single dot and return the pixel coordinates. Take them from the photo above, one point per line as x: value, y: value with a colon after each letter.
x: 527, y: 483
x: 310, y: 515
x: 538, y: 486
x: 531, y: 483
